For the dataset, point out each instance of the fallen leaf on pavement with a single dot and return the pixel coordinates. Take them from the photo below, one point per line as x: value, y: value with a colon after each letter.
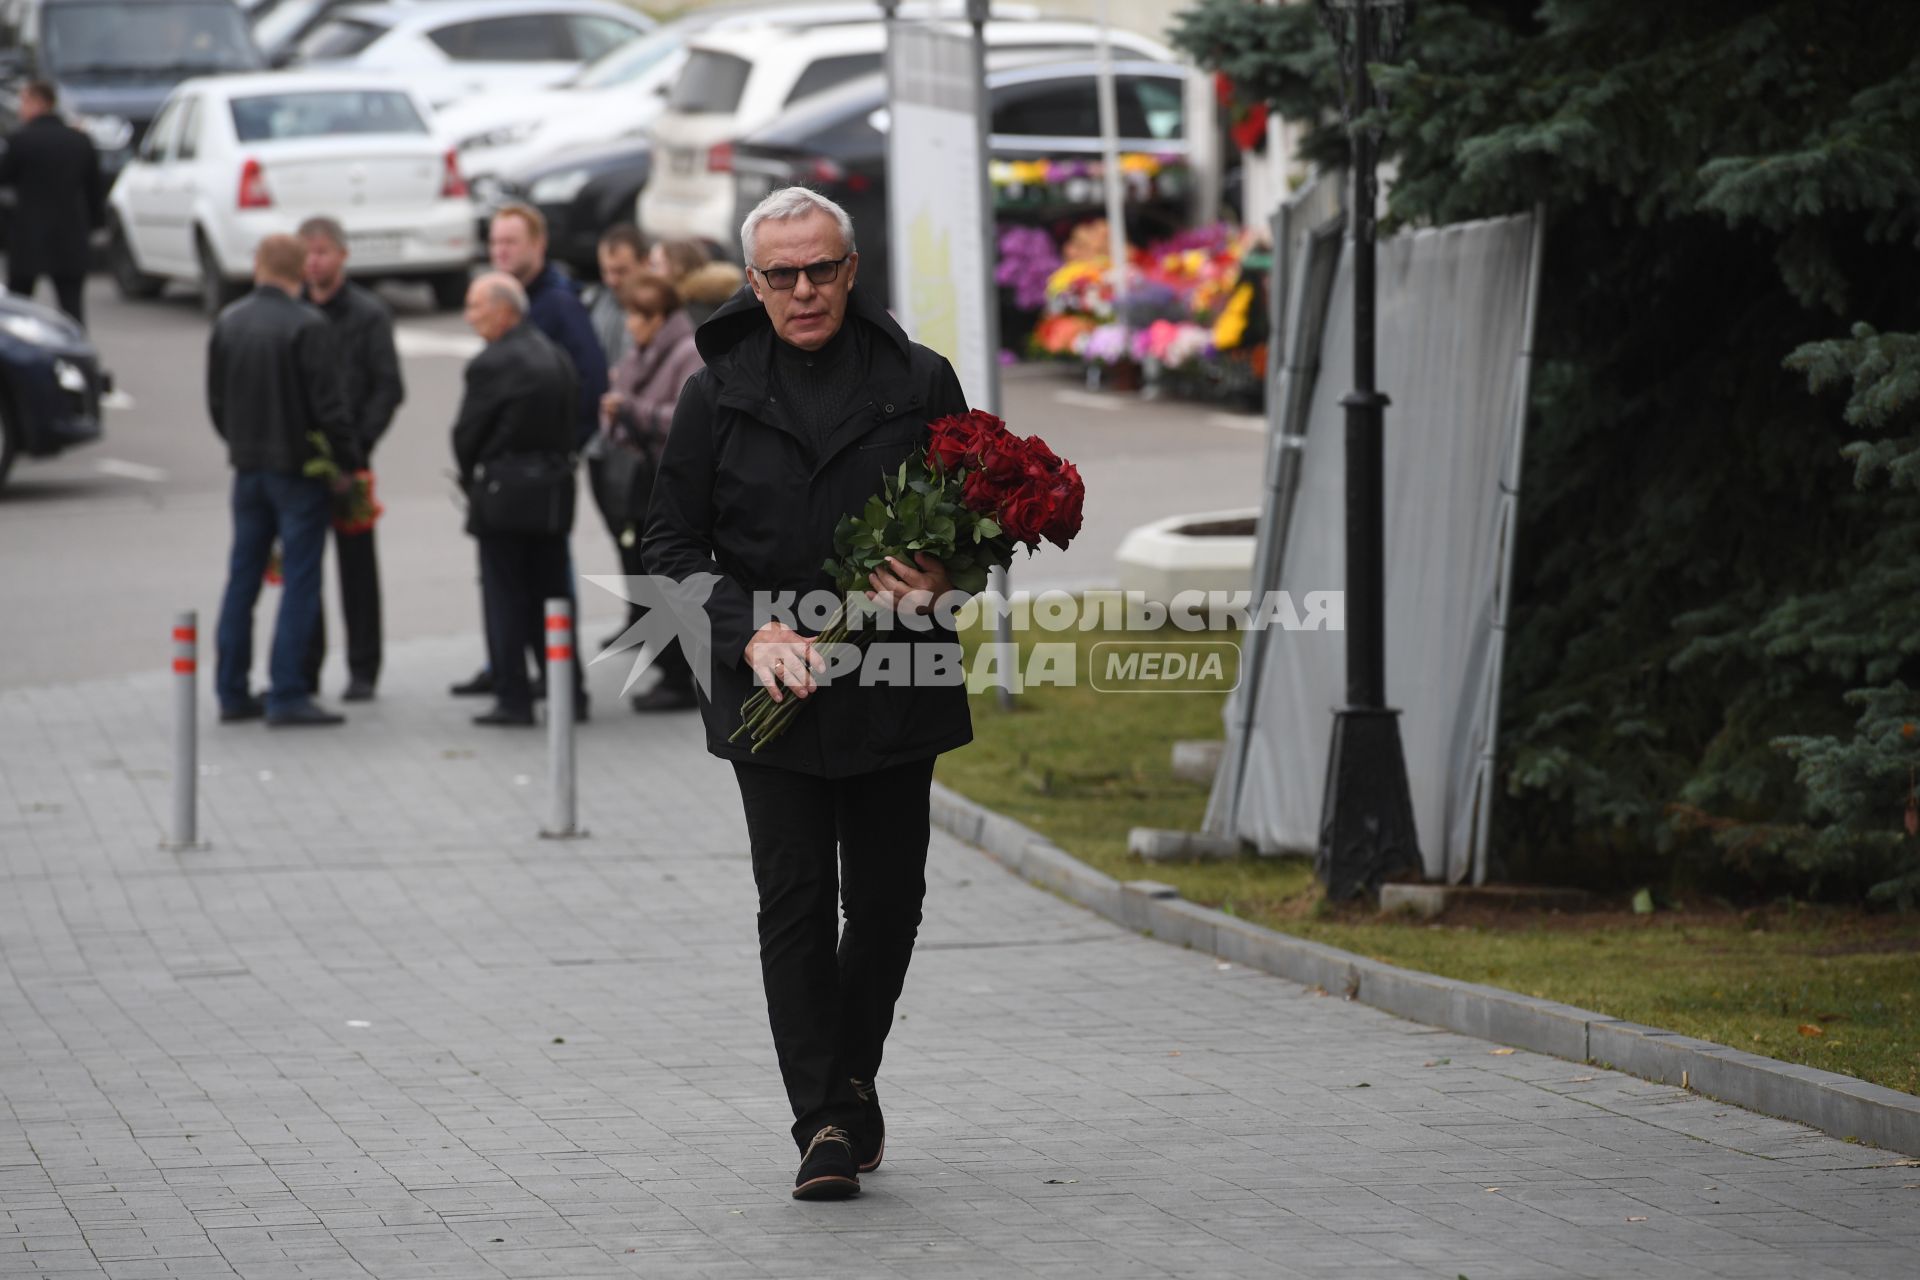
x: 1808, y: 1029
x: 1501, y: 1053
x: 1363, y: 1085
x: 1437, y: 1062
x: 1636, y: 1219
x: 1581, y: 1080
x: 1493, y: 1188
x: 1062, y: 1182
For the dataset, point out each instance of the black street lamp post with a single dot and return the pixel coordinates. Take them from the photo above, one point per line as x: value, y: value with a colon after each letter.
x: 1366, y: 819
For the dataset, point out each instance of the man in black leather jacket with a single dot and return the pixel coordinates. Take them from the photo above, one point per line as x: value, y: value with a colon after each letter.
x: 518, y: 404
x: 369, y: 368
x: 274, y: 397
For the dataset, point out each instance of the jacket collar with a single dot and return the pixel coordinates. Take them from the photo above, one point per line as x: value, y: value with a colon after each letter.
x: 742, y: 316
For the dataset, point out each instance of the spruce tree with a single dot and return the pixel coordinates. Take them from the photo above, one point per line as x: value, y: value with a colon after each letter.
x: 1714, y: 611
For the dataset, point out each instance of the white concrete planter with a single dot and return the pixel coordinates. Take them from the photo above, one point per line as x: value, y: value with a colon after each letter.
x: 1189, y: 553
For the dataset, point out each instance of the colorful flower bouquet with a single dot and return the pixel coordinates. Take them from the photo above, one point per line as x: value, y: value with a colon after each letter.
x: 976, y: 494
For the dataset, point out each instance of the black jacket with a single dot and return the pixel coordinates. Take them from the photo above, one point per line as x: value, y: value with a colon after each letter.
x: 554, y: 307
x: 740, y: 493
x: 518, y: 400
x: 271, y: 381
x: 368, y: 362
x: 60, y: 197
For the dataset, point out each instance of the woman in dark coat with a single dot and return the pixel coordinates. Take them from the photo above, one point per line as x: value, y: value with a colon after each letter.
x: 635, y: 415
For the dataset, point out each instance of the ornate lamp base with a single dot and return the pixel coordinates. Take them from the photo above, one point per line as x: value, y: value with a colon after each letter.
x: 1366, y: 823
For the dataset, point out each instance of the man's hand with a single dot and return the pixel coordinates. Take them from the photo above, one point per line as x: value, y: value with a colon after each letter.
x: 905, y: 589
x: 781, y: 656
x: 610, y: 403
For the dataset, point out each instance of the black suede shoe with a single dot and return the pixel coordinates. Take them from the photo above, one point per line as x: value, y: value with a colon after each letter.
x: 505, y: 717
x: 666, y: 697
x: 827, y: 1171
x: 358, y: 690
x: 251, y: 709
x: 870, y: 1139
x: 481, y: 684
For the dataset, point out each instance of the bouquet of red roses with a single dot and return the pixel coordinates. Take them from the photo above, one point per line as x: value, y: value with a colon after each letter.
x: 976, y: 494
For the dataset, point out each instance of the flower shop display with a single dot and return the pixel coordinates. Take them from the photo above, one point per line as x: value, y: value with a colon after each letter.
x: 1182, y: 321
x: 1021, y: 184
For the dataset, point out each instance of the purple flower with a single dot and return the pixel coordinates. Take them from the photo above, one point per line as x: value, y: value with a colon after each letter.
x: 1027, y: 258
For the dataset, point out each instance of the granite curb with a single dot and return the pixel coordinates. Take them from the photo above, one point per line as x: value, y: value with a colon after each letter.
x: 1836, y: 1104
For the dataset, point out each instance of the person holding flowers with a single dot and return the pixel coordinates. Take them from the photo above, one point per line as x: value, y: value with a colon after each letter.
x: 809, y: 396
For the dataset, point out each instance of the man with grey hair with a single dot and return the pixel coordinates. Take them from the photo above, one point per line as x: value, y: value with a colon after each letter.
x: 810, y: 394
x: 513, y: 442
x: 368, y: 363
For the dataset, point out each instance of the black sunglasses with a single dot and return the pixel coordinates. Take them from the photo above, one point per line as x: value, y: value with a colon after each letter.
x: 784, y: 278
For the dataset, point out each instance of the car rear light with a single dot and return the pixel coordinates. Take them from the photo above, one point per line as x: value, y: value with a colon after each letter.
x: 820, y: 169
x: 720, y: 158
x: 452, y: 185
x: 253, y: 186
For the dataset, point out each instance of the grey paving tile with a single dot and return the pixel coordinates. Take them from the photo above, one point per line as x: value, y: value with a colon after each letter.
x: 381, y: 1029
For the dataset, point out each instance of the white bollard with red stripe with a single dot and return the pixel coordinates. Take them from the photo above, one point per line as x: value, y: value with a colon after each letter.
x: 186, y: 753
x: 561, y: 816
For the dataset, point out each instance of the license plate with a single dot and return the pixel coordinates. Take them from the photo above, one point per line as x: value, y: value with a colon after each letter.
x: 376, y: 244
x: 683, y: 160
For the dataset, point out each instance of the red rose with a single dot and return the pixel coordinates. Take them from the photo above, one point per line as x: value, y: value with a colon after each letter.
x: 981, y: 493
x: 1041, y: 463
x: 1004, y: 457
x: 950, y: 444
x: 1023, y: 515
x: 1064, y: 516
x: 959, y: 440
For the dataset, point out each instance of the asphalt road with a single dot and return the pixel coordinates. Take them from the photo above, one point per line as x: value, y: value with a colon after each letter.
x: 100, y: 547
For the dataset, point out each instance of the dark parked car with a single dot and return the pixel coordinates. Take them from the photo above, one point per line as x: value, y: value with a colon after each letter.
x: 580, y: 193
x: 50, y: 382
x: 836, y: 143
x: 115, y: 61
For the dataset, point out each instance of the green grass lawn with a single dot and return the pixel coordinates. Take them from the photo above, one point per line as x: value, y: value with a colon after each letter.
x: 1828, y: 987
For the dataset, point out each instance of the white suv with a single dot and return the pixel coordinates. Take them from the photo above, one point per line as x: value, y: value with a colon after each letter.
x: 736, y: 81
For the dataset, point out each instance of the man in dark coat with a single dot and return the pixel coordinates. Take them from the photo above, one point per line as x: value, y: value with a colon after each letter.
x: 274, y: 397
x: 518, y: 404
x: 809, y: 394
x: 517, y: 246
x: 369, y: 368
x: 59, y: 199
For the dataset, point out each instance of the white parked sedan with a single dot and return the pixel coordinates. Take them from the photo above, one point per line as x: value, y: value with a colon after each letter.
x: 456, y: 49
x: 231, y: 159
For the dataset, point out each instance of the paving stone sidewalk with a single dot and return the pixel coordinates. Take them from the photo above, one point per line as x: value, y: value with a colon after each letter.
x: 380, y: 1028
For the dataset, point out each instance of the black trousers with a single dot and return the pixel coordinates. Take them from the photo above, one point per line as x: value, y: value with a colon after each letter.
x: 359, y: 605
x: 519, y: 573
x: 67, y: 288
x: 859, y: 844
